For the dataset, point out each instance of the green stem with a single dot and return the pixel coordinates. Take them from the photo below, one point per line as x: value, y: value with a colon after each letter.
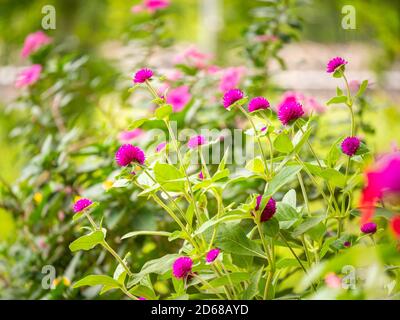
x: 130, y: 295
x: 256, y: 135
x: 117, y: 257
x: 270, y: 260
x: 107, y: 246
x: 207, y: 284
x: 168, y: 195
x: 303, y: 190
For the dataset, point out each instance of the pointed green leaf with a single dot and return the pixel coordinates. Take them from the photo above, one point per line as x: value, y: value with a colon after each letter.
x: 88, y: 241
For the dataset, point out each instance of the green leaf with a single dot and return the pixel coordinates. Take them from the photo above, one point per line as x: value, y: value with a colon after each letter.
x: 95, y: 280
x: 286, y: 215
x: 290, y: 198
x: 158, y: 266
x: 121, y: 183
x: 334, y: 153
x: 317, y: 232
x: 286, y: 263
x: 252, y: 289
x: 362, y: 149
x: 362, y: 88
x: 339, y: 92
x: 282, y: 143
x: 307, y: 225
x: 222, y: 164
x: 256, y: 165
x: 234, y: 277
x: 233, y: 239
x: 163, y: 112
x: 331, y: 175
x: 88, y: 241
x: 137, y: 123
x: 148, y: 233
x: 169, y: 177
x: 220, y: 174
x: 301, y: 138
x: 284, y: 176
x: 211, y: 222
x: 337, y: 100
x: 271, y: 227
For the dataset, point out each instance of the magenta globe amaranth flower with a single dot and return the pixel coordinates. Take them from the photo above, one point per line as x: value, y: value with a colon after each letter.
x: 269, y: 210
x: 368, y: 228
x: 258, y: 103
x: 28, y: 76
x: 196, y: 141
x: 127, y: 154
x: 290, y: 111
x: 212, y: 255
x: 182, y: 267
x: 34, y: 42
x: 350, y: 146
x: 142, y: 75
x: 82, y: 204
x: 334, y: 64
x: 231, y: 96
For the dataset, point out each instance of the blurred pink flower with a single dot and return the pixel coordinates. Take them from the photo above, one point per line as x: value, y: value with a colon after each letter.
x: 332, y: 280
x: 196, y: 141
x: 173, y: 75
x: 34, y: 42
x: 309, y: 103
x: 193, y: 57
x: 382, y: 181
x: 231, y: 78
x: 28, y: 76
x: 160, y: 146
x: 154, y: 5
x: 179, y: 97
x: 127, y: 136
x: 151, y: 6
x: 213, y: 69
x: 265, y: 38
x: 137, y: 8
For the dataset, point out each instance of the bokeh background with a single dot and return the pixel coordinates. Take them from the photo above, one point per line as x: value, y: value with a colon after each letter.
x: 111, y: 35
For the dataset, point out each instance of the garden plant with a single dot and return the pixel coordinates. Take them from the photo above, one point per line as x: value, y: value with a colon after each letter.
x: 219, y: 186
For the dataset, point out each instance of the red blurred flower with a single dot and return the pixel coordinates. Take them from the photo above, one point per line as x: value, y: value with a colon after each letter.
x: 395, y: 226
x: 382, y: 181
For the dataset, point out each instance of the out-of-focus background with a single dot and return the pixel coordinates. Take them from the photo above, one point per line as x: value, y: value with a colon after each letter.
x: 103, y: 29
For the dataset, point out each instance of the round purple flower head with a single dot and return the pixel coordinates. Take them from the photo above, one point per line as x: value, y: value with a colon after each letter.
x: 182, y: 267
x: 196, y: 141
x: 269, y: 210
x: 142, y: 75
x: 212, y: 255
x: 335, y: 63
x: 231, y: 96
x: 82, y: 204
x: 258, y: 103
x: 290, y: 111
x: 128, y: 153
x: 350, y: 146
x: 368, y: 228
x: 347, y: 244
